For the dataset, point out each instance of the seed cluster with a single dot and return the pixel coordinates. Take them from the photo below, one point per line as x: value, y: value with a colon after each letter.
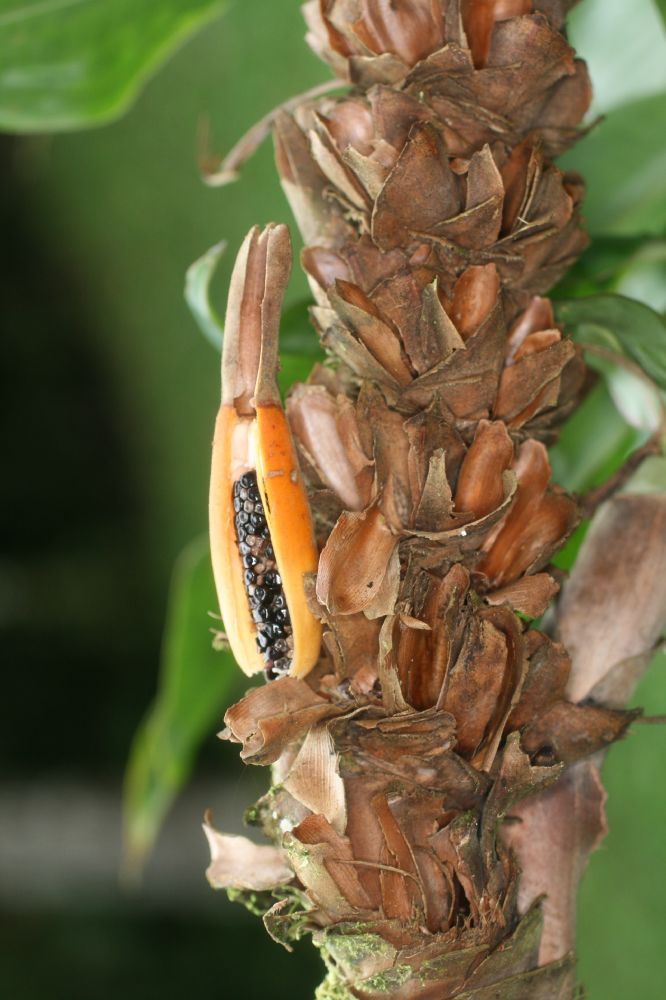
x: 263, y: 583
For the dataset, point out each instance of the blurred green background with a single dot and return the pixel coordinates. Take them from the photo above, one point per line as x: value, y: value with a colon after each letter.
x: 109, y: 394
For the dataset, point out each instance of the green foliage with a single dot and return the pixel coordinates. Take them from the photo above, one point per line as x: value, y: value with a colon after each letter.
x: 620, y: 325
x: 661, y: 5
x: 196, y: 684
x: 624, y: 46
x: 623, y: 161
x: 71, y: 63
x: 643, y: 275
x: 650, y: 477
x: 614, y: 328
x: 197, y: 294
x: 622, y: 410
x: 621, y: 901
x: 594, y: 442
x: 297, y: 336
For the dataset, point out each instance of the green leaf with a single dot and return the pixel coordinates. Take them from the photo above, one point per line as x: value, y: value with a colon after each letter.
x: 599, y: 268
x: 629, y: 266
x: 661, y: 6
x: 196, y: 685
x: 623, y: 161
x: 593, y: 443
x: 72, y: 63
x: 621, y: 324
x: 644, y: 275
x: 197, y: 294
x: 650, y: 477
x: 297, y: 335
x: 624, y: 47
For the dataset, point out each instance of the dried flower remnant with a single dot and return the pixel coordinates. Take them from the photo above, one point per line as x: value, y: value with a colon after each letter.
x: 434, y: 223
x: 262, y: 542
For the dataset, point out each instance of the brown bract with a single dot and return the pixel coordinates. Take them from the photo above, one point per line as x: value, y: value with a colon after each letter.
x: 269, y: 718
x: 343, y: 28
x: 605, y: 632
x: 417, y: 870
x: 326, y: 429
x: 237, y: 863
x: 515, y: 210
x: 539, y: 521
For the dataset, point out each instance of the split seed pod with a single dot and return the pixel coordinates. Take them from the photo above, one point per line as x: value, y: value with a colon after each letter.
x: 261, y: 536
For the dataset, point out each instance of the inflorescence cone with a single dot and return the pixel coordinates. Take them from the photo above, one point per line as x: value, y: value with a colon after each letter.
x: 434, y: 222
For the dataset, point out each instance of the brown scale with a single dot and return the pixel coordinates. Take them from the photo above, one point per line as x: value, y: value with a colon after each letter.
x: 263, y: 583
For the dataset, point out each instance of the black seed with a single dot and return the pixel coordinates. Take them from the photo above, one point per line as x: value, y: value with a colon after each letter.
x: 266, y: 600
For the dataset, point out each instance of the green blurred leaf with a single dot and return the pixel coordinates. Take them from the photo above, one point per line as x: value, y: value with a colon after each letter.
x: 72, y: 63
x: 650, y: 477
x: 621, y: 324
x: 593, y: 443
x: 196, y: 684
x: 600, y: 267
x: 624, y: 47
x: 197, y: 294
x: 629, y: 266
x: 620, y: 412
x: 623, y: 161
x: 566, y: 557
x: 644, y: 275
x: 661, y: 6
x: 297, y: 335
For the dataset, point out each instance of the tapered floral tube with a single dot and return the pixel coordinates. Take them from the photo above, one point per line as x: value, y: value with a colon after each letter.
x: 262, y: 543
